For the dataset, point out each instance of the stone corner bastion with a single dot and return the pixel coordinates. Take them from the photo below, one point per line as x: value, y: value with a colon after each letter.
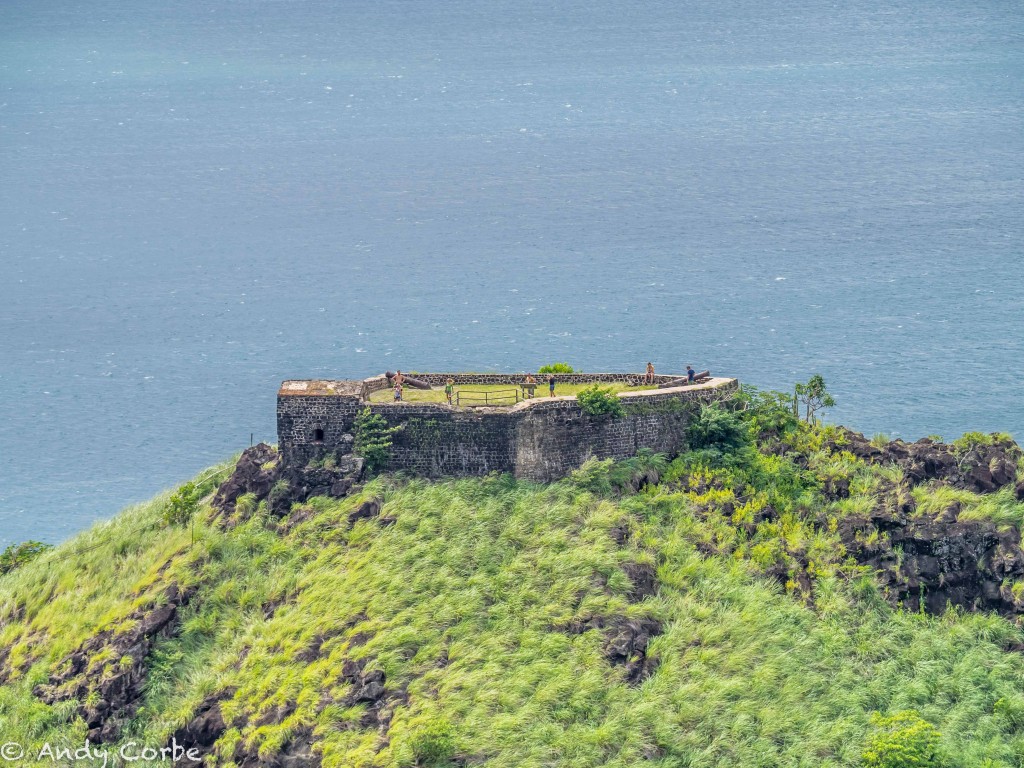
x: 540, y: 439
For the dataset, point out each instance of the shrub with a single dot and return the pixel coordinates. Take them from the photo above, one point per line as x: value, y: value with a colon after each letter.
x: 646, y: 468
x: 593, y: 476
x: 556, y: 368
x: 768, y: 412
x: 182, y: 505
x: 373, y: 439
x: 600, y: 401
x: 18, y: 554
x: 969, y: 441
x: 904, y: 740
x: 714, y: 428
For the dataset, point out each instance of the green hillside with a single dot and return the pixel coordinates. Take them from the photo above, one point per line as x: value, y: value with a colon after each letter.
x: 708, y: 611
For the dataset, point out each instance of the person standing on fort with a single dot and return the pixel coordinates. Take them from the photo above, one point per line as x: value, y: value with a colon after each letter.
x: 398, y: 391
x: 551, y: 385
x: 649, y: 376
x: 449, y: 388
x: 690, y: 373
x: 399, y: 378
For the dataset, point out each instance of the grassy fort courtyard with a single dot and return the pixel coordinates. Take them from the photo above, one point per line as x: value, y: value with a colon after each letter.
x: 494, y: 392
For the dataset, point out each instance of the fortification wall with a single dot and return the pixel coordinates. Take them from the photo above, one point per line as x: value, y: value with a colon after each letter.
x: 435, y: 440
x: 541, y: 439
x: 310, y: 425
x: 555, y: 437
x: 515, y: 379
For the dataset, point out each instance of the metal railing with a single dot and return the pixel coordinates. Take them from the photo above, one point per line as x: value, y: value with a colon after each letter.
x: 475, y: 398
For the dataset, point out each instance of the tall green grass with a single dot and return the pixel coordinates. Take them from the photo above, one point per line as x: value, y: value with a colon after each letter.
x: 482, y: 603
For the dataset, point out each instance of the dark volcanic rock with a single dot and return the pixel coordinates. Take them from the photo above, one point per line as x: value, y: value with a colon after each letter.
x: 626, y: 645
x: 836, y: 488
x: 644, y: 578
x: 260, y: 472
x: 336, y: 481
x: 368, y: 687
x: 256, y: 472
x: 625, y: 642
x: 297, y: 753
x: 203, y: 730
x: 366, y: 510
x: 924, y: 563
x: 117, y: 686
x: 982, y: 469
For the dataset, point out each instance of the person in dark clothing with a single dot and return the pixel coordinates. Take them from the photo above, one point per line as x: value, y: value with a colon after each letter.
x: 551, y: 385
x: 690, y: 373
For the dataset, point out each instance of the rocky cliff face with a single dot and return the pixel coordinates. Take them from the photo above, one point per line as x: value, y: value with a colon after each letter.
x: 261, y: 472
x: 982, y: 468
x: 928, y: 562
x: 109, y: 693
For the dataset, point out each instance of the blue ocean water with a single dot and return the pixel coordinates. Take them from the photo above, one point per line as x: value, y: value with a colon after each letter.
x: 202, y: 199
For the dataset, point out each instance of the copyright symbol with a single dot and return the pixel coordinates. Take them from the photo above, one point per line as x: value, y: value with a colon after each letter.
x: 12, y: 751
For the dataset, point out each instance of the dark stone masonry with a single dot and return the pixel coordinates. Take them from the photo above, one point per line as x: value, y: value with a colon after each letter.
x: 540, y: 439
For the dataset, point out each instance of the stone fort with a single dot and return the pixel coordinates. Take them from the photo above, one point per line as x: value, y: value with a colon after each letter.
x: 541, y: 438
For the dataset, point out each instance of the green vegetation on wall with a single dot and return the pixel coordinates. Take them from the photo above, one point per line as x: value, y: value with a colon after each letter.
x: 600, y: 401
x: 373, y: 439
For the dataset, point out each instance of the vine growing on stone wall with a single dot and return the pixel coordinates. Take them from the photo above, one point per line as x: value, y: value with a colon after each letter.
x: 373, y: 439
x: 639, y: 407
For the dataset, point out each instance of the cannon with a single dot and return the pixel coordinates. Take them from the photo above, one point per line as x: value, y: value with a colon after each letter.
x: 408, y: 381
x: 683, y: 381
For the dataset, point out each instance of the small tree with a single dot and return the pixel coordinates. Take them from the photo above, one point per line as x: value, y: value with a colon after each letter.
x: 904, y: 740
x: 814, y: 396
x: 17, y: 555
x: 373, y: 439
x: 600, y: 401
x: 182, y: 505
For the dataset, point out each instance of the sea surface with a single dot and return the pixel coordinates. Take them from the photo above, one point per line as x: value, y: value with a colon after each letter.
x: 200, y: 199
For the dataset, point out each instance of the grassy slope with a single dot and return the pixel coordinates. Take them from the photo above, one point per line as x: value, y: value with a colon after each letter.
x: 464, y: 603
